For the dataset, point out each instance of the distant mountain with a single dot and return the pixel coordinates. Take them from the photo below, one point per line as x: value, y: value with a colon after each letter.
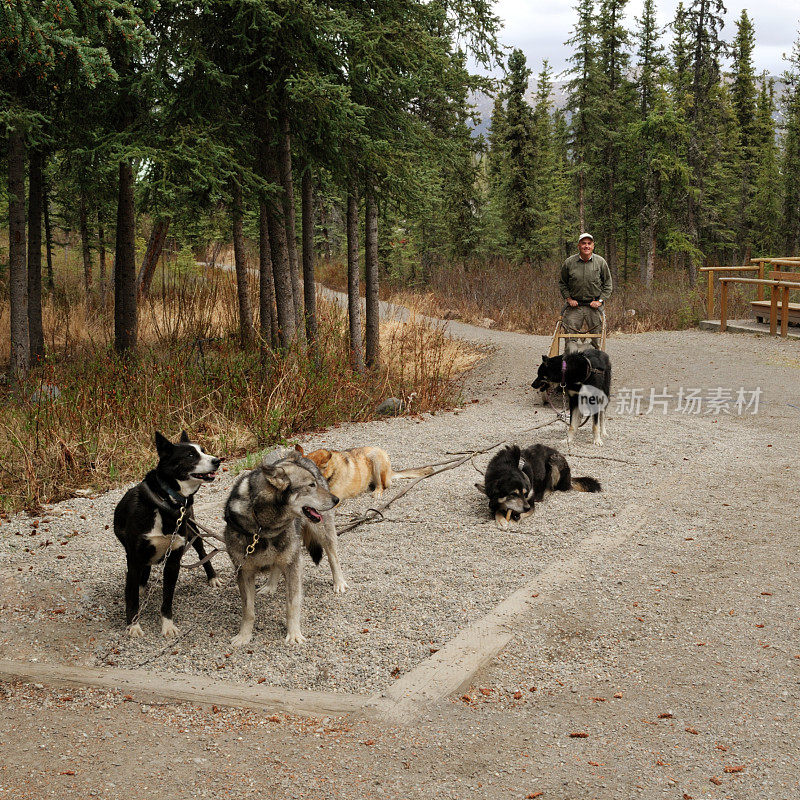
x: 484, y: 103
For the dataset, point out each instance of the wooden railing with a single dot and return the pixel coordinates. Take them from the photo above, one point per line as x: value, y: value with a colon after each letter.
x: 776, y: 286
x: 756, y: 265
x: 757, y: 268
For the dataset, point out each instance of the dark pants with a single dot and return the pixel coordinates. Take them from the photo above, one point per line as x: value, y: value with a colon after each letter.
x: 581, y: 319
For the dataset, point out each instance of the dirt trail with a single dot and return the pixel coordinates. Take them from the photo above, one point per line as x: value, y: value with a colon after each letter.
x: 659, y: 657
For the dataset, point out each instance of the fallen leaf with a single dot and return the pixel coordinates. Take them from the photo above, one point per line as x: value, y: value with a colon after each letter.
x: 579, y: 735
x: 532, y: 795
x: 766, y: 594
x: 517, y: 695
x: 261, y: 680
x: 67, y: 772
x: 666, y: 715
x: 715, y: 780
x: 598, y: 700
x: 484, y: 691
x: 734, y: 769
x: 692, y: 731
x: 618, y: 695
x: 687, y: 796
x: 369, y: 742
x: 721, y: 747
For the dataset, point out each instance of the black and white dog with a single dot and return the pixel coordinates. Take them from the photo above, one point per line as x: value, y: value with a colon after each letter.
x: 515, y: 480
x: 151, y: 521
x: 586, y: 378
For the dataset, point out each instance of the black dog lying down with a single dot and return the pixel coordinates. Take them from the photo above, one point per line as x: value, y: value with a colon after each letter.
x: 587, y: 372
x: 517, y: 479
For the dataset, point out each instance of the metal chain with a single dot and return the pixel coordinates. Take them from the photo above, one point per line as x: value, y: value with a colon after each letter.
x: 152, y: 585
x: 252, y: 546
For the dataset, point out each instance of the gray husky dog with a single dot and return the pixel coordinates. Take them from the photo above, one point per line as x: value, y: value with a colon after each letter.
x: 271, y: 513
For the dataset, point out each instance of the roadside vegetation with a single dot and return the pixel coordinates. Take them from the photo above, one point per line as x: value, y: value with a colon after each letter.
x: 507, y: 295
x: 84, y: 417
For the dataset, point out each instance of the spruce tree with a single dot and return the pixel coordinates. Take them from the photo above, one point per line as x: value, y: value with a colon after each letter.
x: 584, y: 90
x: 743, y: 98
x: 704, y: 24
x: 650, y: 63
x: 615, y: 113
x: 765, y: 211
x: 517, y: 201
x: 791, y: 154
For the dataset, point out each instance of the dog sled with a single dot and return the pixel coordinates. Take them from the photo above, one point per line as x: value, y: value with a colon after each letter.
x: 560, y: 335
x: 555, y: 396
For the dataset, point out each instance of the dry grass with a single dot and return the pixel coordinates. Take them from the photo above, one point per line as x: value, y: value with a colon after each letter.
x: 526, y: 299
x: 189, y: 373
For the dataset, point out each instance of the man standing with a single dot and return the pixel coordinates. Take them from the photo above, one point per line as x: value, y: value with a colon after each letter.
x: 585, y: 284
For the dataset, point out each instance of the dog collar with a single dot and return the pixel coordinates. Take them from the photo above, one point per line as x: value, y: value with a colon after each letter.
x: 177, y: 499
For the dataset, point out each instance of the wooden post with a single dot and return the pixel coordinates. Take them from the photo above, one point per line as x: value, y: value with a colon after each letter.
x: 710, y: 295
x: 773, y: 311
x: 761, y: 276
x: 785, y: 312
x: 723, y: 305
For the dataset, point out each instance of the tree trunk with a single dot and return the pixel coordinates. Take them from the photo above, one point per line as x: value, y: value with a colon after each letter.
x: 17, y: 268
x: 48, y: 238
x: 155, y: 244
x: 35, y: 328
x: 86, y: 249
x: 285, y: 161
x: 267, y: 315
x: 372, y: 321
x: 611, y: 228
x: 281, y: 269
x: 101, y: 245
x: 326, y: 237
x: 246, y: 332
x: 650, y: 264
x: 125, y: 320
x: 309, y: 285
x: 581, y: 198
x: 353, y: 296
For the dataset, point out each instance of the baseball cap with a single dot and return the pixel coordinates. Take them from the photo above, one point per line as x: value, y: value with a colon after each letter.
x: 585, y: 236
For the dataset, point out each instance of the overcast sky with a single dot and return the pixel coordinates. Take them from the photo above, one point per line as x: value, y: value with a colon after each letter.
x: 540, y: 28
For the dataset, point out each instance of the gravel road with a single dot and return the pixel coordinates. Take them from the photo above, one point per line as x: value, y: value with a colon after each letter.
x: 674, y: 650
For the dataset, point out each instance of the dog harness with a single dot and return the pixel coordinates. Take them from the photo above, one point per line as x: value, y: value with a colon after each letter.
x: 590, y: 370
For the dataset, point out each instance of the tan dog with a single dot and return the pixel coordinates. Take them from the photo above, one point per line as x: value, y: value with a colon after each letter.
x: 351, y: 472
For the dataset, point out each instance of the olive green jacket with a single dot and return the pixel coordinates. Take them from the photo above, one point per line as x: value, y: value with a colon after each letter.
x: 585, y: 281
